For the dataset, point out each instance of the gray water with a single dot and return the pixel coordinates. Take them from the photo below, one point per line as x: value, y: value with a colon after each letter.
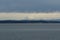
x: 39, y: 31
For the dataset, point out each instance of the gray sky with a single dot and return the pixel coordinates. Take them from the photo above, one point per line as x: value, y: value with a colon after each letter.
x: 29, y: 5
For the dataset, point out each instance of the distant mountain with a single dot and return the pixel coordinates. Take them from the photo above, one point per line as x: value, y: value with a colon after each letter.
x: 29, y: 21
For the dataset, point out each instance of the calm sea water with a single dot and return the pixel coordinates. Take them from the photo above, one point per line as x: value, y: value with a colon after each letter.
x: 30, y: 31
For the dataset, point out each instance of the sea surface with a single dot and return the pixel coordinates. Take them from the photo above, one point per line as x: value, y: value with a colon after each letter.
x: 30, y: 31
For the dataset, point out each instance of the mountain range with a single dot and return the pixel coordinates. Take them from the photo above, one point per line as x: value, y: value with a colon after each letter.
x: 29, y: 21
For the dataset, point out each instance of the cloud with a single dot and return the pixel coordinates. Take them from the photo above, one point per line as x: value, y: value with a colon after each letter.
x: 30, y: 16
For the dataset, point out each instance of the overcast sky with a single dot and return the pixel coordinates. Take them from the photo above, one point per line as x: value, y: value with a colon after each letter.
x: 29, y: 5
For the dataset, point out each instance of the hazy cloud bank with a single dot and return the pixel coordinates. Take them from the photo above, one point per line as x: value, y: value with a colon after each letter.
x: 29, y: 16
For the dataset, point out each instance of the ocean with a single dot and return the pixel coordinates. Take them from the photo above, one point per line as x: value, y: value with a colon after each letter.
x: 30, y: 31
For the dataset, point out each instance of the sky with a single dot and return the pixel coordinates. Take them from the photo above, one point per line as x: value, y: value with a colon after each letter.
x: 9, y: 7
x: 29, y: 5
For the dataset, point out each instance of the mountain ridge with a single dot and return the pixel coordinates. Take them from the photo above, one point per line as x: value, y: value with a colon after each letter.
x: 28, y: 21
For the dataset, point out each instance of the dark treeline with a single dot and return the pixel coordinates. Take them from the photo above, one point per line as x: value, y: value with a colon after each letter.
x: 28, y: 21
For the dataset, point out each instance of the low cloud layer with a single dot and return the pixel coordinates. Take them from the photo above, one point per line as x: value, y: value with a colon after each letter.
x: 29, y: 16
